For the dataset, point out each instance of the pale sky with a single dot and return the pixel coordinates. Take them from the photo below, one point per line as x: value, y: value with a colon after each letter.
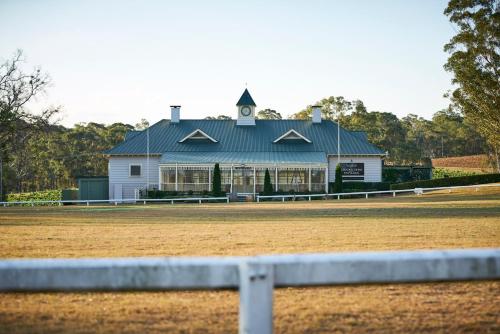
x: 120, y: 61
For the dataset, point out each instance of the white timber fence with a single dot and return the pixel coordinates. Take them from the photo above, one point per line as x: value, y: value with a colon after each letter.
x: 366, y: 194
x: 258, y: 198
x: 122, y: 201
x: 254, y: 277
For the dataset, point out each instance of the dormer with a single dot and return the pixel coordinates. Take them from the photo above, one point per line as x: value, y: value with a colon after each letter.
x: 292, y: 135
x: 198, y: 134
x: 246, y: 109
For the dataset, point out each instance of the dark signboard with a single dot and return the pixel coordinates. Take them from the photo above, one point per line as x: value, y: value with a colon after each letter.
x: 353, y: 170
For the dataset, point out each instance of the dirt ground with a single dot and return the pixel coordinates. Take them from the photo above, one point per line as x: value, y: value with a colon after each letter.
x: 464, y: 219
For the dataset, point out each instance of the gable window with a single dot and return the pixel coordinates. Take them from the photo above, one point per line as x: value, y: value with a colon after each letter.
x: 135, y: 170
x: 292, y: 135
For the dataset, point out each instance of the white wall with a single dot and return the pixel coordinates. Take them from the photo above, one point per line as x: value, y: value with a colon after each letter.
x: 119, y: 173
x: 373, y: 167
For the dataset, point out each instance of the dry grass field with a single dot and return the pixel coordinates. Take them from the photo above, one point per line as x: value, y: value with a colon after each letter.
x: 471, y: 163
x: 462, y: 219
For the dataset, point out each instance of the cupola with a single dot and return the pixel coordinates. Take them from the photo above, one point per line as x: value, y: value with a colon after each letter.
x: 246, y: 109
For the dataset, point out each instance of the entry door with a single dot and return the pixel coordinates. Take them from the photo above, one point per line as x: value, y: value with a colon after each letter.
x: 243, y: 180
x: 118, y: 192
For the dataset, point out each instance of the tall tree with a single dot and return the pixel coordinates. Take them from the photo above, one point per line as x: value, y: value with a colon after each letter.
x: 268, y: 114
x: 475, y: 64
x: 17, y: 89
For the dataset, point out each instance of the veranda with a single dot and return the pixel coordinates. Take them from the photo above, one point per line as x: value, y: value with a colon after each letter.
x: 244, y: 179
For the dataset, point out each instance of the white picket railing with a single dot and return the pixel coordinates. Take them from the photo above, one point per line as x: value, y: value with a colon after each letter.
x: 258, y: 198
x: 122, y: 201
x: 418, y: 191
x: 255, y: 277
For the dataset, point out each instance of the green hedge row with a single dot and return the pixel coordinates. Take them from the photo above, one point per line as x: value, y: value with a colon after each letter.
x: 352, y: 187
x: 449, y: 182
x: 47, y: 195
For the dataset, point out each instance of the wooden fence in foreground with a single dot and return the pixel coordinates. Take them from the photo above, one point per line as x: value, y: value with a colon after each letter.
x: 254, y: 277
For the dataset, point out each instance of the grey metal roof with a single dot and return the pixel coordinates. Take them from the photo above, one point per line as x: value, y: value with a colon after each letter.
x: 244, y: 157
x: 246, y: 99
x: 164, y: 137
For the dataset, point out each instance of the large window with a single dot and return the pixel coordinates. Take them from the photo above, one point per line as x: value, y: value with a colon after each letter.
x: 296, y: 179
x: 193, y: 179
x: 317, y: 179
x: 168, y: 178
x: 225, y: 176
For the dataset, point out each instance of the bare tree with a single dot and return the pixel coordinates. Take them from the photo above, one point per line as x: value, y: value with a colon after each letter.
x: 17, y: 89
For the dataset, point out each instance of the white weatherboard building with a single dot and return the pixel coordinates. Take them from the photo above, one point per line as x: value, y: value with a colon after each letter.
x: 301, y: 155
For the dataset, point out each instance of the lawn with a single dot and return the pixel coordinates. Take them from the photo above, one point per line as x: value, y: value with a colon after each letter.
x: 461, y: 219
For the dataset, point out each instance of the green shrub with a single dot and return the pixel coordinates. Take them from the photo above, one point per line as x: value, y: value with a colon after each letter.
x: 268, y: 186
x: 47, y: 195
x: 337, y: 185
x: 216, y: 182
x: 449, y: 182
x: 365, y: 186
x: 439, y: 173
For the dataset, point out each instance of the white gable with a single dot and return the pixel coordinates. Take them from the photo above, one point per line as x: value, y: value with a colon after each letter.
x: 197, y: 134
x: 292, y: 135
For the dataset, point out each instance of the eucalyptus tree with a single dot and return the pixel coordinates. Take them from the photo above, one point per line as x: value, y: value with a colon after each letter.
x: 475, y: 64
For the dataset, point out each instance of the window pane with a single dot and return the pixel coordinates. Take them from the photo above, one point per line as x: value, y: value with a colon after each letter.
x: 135, y: 170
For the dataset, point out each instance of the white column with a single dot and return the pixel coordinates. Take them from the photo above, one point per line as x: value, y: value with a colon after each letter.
x: 254, y: 180
x: 310, y: 188
x: 160, y: 186
x: 231, y: 179
x: 276, y: 180
x: 256, y: 298
x: 326, y: 179
x: 176, y: 178
x: 209, y: 180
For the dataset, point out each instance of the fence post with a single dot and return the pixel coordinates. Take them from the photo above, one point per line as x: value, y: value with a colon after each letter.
x: 227, y: 199
x: 393, y: 194
x: 338, y: 197
x: 256, y: 298
x: 366, y: 195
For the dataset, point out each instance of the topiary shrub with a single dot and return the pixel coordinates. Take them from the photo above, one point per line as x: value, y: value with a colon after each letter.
x: 268, y: 186
x: 216, y: 182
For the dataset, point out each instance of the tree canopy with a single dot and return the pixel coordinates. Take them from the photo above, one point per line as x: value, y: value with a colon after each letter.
x: 475, y: 64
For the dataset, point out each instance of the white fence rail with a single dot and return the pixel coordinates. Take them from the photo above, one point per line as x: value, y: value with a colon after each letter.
x: 255, y: 277
x: 258, y: 198
x: 122, y: 201
x: 418, y: 191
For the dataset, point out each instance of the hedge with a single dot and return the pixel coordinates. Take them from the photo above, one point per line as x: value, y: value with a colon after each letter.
x: 449, y: 182
x: 47, y: 195
x: 351, y: 187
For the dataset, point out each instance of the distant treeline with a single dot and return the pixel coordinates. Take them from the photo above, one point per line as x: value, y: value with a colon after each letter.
x: 409, y: 140
x: 52, y: 158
